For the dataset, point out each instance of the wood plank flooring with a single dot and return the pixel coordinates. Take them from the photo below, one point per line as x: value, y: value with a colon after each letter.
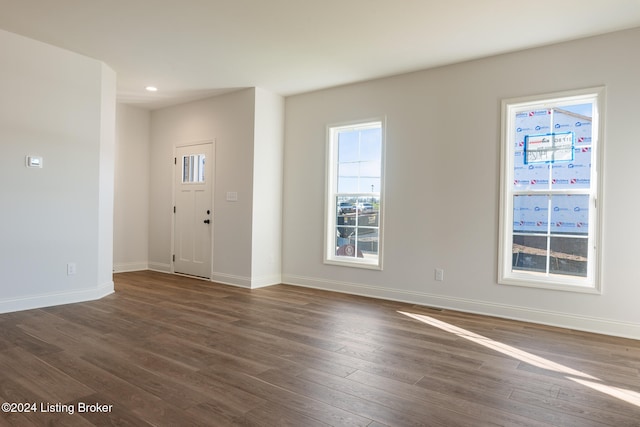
x: 167, y: 350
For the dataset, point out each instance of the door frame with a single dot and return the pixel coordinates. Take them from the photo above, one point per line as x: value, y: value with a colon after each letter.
x: 211, y: 142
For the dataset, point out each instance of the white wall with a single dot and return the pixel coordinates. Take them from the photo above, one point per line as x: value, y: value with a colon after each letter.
x: 266, y: 254
x: 229, y: 121
x: 247, y: 130
x: 443, y: 149
x: 61, y: 106
x: 106, y: 176
x: 131, y: 205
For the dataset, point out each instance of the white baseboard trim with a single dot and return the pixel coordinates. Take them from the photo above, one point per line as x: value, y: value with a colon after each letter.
x: 563, y: 320
x: 56, y: 298
x: 130, y: 266
x: 262, y: 282
x: 222, y: 278
x: 158, y: 266
x: 230, y: 279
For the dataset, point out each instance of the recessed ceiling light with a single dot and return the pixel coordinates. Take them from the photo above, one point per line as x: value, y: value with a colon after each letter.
x: 151, y: 88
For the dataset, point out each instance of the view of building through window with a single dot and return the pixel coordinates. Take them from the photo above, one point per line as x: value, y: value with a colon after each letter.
x: 551, y: 189
x: 551, y: 230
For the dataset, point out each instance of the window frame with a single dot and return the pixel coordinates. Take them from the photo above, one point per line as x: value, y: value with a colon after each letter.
x: 331, y: 194
x: 592, y: 283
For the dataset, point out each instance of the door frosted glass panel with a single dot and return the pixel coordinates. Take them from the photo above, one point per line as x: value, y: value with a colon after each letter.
x: 193, y: 168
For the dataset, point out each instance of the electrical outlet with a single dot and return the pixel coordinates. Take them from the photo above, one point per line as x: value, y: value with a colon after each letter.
x: 439, y: 274
x: 71, y: 269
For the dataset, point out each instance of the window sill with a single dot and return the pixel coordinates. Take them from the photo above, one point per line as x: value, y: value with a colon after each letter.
x: 557, y: 284
x: 356, y: 262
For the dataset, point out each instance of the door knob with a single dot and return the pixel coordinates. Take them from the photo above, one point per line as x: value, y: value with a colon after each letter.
x: 206, y: 221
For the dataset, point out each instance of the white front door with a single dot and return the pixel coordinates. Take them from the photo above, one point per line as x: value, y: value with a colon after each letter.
x: 193, y: 217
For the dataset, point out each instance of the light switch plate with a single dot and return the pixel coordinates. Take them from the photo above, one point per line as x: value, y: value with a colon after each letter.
x: 34, y: 161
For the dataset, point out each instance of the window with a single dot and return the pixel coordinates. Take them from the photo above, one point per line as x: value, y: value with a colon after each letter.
x: 354, y: 195
x: 550, y: 191
x: 193, y: 168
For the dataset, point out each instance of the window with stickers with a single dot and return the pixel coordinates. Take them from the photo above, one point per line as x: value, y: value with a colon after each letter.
x: 550, y: 198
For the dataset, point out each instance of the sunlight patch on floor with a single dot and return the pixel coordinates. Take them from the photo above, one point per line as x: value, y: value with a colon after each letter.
x: 628, y: 396
x: 579, y: 377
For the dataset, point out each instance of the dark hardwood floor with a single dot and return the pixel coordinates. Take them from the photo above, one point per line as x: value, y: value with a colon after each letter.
x: 167, y: 350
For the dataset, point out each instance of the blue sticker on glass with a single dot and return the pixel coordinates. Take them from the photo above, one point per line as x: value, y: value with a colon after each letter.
x: 549, y: 148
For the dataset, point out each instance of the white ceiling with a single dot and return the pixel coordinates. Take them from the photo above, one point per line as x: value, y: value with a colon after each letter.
x: 192, y: 49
